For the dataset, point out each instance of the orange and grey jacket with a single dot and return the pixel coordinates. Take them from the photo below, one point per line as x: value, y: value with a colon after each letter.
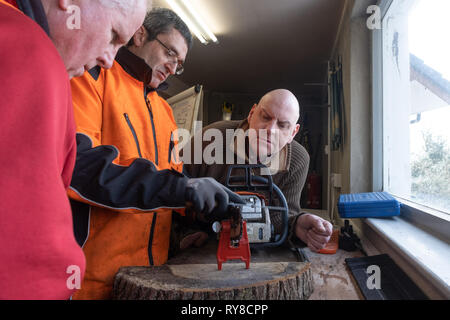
x: 126, y: 181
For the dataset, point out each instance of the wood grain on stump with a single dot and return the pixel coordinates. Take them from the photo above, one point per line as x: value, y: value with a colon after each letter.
x: 263, y: 281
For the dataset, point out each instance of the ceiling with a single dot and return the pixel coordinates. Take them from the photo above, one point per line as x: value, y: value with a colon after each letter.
x: 263, y: 45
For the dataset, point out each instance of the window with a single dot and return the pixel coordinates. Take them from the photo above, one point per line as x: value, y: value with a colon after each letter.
x: 414, y: 84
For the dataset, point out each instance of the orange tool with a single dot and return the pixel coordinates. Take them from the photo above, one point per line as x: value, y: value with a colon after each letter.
x: 332, y: 245
x: 229, y: 250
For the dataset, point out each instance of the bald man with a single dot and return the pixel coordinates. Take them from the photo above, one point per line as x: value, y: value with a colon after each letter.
x: 270, y: 127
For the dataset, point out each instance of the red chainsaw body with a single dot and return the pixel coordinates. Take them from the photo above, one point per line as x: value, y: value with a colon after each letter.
x: 226, y: 251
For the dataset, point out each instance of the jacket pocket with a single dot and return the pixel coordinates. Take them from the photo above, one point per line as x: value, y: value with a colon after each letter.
x: 127, y: 118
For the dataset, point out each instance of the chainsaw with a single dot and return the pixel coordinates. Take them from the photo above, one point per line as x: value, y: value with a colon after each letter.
x: 250, y: 224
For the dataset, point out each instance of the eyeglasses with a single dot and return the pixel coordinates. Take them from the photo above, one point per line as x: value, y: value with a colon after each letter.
x: 172, y: 55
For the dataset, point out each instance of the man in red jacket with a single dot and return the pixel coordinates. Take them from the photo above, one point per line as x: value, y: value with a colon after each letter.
x: 40, y: 50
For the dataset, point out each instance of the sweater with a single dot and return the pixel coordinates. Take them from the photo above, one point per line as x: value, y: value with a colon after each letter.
x: 294, y: 164
x: 39, y: 256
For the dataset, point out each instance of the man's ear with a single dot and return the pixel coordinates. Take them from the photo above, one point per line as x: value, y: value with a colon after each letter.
x: 139, y: 37
x: 294, y: 133
x: 251, y: 112
x: 64, y: 4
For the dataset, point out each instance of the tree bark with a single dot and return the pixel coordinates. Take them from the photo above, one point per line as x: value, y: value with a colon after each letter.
x: 263, y: 281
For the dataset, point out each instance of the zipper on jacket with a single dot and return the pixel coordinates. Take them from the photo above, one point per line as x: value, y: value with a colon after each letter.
x: 134, y: 133
x: 149, y: 107
x: 150, y: 239
x: 171, y: 146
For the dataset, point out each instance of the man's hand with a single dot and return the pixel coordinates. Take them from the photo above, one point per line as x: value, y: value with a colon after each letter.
x: 209, y: 197
x: 196, y: 239
x: 314, y: 231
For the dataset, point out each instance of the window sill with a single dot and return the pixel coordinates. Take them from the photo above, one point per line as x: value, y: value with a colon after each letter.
x: 424, y: 254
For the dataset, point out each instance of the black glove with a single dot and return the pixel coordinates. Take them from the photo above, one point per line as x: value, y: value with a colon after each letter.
x: 210, y: 197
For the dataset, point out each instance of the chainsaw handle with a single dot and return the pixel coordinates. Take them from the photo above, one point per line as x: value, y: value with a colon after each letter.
x: 266, y: 183
x: 285, y: 219
x: 248, y: 179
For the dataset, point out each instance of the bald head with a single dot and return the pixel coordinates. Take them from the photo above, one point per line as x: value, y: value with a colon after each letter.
x: 126, y: 4
x: 274, y: 117
x: 89, y: 33
x: 282, y: 100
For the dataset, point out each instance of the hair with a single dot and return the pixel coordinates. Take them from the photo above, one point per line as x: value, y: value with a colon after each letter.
x: 163, y: 20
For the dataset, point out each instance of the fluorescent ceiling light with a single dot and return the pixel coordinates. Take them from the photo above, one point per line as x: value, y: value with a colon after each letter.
x: 193, y: 20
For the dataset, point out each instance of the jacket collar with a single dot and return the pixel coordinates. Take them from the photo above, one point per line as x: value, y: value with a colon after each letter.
x: 34, y: 10
x: 137, y: 68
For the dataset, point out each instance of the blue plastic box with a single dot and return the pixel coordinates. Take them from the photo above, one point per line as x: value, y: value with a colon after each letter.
x: 368, y: 205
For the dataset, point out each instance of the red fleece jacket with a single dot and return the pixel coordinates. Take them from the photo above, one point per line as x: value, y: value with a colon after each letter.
x: 39, y: 257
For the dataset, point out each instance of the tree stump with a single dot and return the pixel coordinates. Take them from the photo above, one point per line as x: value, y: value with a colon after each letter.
x: 263, y: 281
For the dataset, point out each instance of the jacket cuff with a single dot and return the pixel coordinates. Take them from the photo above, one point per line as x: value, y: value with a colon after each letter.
x: 180, y: 191
x: 292, y: 239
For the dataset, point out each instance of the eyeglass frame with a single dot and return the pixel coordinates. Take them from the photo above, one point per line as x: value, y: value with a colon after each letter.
x: 173, y: 54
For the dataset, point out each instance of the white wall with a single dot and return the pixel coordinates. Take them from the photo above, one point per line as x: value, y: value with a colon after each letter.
x: 354, y: 160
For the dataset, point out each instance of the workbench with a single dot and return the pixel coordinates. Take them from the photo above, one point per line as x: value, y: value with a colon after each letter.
x: 332, y: 279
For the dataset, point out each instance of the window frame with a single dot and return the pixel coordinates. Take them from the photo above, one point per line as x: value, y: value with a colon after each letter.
x: 435, y: 221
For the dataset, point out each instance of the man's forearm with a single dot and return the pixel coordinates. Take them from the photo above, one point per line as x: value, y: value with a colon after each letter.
x: 138, y: 187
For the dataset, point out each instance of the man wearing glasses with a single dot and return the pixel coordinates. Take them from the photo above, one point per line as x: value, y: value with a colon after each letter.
x: 126, y: 183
